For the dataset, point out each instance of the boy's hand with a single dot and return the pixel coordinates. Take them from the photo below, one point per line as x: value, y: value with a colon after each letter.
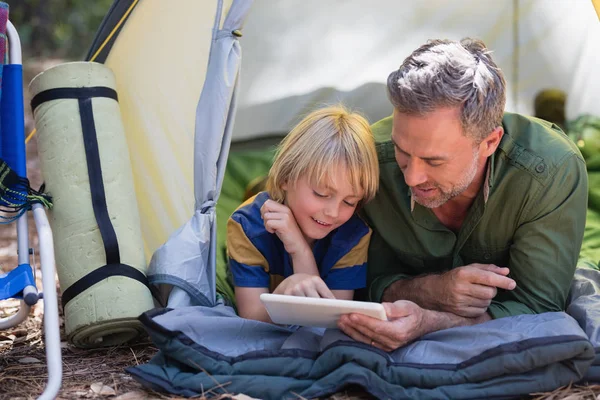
x: 304, y: 285
x: 278, y: 219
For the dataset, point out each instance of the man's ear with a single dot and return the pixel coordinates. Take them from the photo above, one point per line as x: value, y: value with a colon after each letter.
x: 489, y: 145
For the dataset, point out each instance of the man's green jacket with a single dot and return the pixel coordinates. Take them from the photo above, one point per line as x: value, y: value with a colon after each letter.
x: 531, y: 219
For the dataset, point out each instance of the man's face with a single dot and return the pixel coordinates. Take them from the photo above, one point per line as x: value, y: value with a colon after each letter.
x: 438, y: 161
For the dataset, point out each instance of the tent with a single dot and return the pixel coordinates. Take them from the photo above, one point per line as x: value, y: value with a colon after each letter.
x: 187, y: 105
x: 299, y: 54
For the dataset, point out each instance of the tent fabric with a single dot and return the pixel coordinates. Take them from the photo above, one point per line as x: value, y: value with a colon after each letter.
x: 188, y: 258
x: 503, y: 358
x: 159, y: 92
x: 304, y: 53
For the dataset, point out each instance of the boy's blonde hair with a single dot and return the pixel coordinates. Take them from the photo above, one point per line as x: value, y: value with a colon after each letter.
x: 324, y: 138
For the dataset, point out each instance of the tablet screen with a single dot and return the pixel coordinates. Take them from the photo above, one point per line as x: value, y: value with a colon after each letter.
x: 316, y: 312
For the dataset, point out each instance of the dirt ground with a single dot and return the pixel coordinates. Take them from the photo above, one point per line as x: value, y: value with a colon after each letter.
x: 99, y: 373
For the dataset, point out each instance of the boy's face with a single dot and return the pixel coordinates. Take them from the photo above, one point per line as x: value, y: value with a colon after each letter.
x: 319, y: 209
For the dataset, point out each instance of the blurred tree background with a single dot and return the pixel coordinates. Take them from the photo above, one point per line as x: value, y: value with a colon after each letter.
x: 57, y: 28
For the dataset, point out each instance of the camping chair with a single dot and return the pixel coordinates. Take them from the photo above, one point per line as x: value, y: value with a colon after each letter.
x: 17, y: 198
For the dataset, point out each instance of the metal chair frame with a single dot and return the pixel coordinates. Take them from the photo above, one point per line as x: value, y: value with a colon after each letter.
x: 47, y: 266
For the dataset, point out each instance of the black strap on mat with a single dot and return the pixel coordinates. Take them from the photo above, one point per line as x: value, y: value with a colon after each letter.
x: 100, y: 274
x: 113, y: 265
x: 72, y: 93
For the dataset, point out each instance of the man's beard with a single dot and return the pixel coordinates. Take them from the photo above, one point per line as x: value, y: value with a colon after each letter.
x: 455, y: 190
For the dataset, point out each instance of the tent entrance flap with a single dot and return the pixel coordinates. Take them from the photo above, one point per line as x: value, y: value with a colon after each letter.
x: 187, y: 260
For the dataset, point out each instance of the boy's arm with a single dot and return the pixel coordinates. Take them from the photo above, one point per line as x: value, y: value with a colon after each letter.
x: 248, y: 266
x: 303, y: 262
x: 249, y: 305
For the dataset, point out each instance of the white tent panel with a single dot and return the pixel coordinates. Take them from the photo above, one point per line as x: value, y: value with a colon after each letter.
x: 303, y: 53
x: 558, y: 47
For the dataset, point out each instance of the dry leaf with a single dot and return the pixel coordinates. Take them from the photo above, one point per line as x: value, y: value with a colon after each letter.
x: 20, y: 332
x: 83, y: 371
x: 76, y: 350
x: 9, y: 303
x: 38, y: 309
x: 576, y: 396
x: 29, y: 360
x: 242, y: 396
x: 102, y: 390
x: 7, y: 337
x: 132, y: 396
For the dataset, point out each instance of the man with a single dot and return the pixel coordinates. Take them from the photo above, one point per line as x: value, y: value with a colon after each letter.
x: 480, y: 213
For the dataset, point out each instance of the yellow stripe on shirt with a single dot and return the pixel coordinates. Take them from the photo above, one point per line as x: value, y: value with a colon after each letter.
x: 358, y: 254
x: 241, y: 249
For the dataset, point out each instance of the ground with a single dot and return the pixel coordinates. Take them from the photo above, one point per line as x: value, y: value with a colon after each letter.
x: 99, y: 373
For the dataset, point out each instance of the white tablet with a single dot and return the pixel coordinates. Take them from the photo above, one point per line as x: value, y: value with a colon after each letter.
x: 317, y: 312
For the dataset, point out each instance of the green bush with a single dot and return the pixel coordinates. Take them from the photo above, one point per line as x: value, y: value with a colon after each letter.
x: 57, y: 28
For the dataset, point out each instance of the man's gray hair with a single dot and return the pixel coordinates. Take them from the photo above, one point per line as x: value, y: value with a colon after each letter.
x: 445, y: 73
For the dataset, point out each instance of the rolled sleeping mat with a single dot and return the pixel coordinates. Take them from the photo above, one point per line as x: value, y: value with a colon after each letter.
x: 95, y: 220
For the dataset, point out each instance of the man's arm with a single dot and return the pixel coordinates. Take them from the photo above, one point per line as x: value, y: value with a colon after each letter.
x: 465, y: 291
x: 546, y: 244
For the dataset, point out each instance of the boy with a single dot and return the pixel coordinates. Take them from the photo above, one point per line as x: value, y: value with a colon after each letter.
x: 302, y: 236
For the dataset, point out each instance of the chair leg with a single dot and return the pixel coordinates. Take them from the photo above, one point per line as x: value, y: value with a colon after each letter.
x: 15, y: 319
x: 51, y: 325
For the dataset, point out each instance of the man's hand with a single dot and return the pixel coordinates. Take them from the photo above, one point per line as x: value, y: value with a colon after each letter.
x: 468, y: 291
x: 304, y: 285
x: 406, y: 322
x: 279, y: 219
x: 464, y: 291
